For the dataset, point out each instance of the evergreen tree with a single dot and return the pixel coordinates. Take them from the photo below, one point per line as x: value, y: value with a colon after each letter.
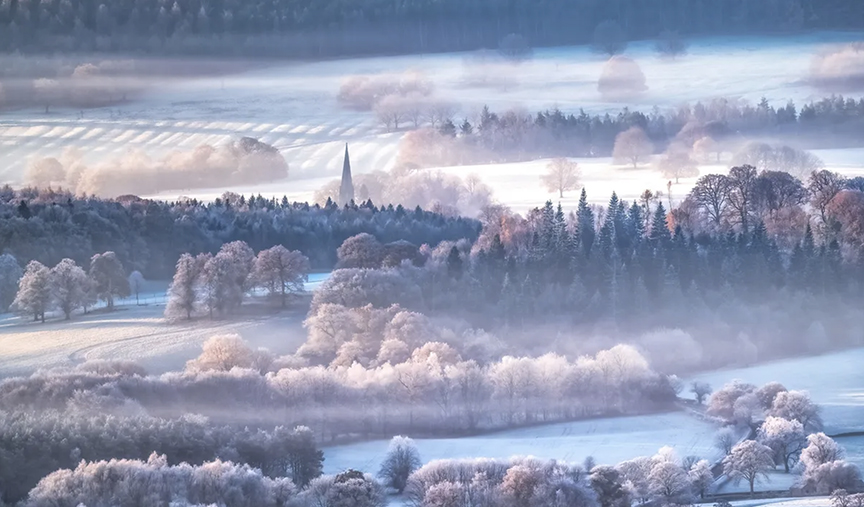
x: 585, y: 225
x: 659, y: 226
x: 454, y: 264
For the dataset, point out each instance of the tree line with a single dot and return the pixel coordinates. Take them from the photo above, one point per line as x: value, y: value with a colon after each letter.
x: 314, y: 29
x: 150, y: 236
x: 706, y: 130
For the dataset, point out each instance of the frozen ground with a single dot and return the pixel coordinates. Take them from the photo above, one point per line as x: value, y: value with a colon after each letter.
x: 293, y: 107
x: 137, y: 333
x: 835, y: 381
x: 609, y: 441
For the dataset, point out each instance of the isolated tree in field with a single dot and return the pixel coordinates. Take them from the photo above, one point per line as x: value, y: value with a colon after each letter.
x: 136, y: 284
x: 281, y: 271
x: 221, y: 353
x: 401, y: 460
x: 670, y: 44
x: 109, y: 278
x: 701, y: 390
x: 750, y: 461
x: 677, y: 163
x: 785, y: 437
x: 69, y: 285
x: 515, y: 48
x: 10, y: 274
x: 34, y: 291
x: 701, y: 477
x: 632, y: 147
x: 705, y: 147
x: 182, y: 294
x: 609, y: 38
x: 561, y: 175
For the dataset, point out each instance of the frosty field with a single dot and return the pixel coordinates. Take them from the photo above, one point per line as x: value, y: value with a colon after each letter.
x: 293, y: 107
x: 609, y: 441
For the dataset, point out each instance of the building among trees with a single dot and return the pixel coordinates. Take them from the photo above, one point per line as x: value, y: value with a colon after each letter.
x: 346, y: 189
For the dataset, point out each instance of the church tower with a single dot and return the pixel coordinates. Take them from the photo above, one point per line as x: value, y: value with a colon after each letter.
x: 346, y: 190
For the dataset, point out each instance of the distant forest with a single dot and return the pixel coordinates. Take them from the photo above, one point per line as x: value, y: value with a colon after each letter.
x: 306, y: 28
x: 150, y: 236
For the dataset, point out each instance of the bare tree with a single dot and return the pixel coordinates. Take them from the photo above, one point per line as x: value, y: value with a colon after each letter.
x: 48, y: 91
x: 136, y: 284
x: 701, y: 390
x: 609, y: 38
x: 391, y: 112
x: 711, y: 194
x: 632, y: 147
x: 439, y: 112
x: 741, y: 183
x: 725, y: 440
x: 561, y: 175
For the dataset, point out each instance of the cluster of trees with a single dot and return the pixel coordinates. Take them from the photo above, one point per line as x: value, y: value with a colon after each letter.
x: 720, y: 125
x: 787, y: 429
x: 302, y: 28
x: 66, y: 286
x: 150, y: 236
x: 737, y: 239
x: 663, y: 478
x: 62, y: 439
x: 434, y: 391
x: 217, y: 283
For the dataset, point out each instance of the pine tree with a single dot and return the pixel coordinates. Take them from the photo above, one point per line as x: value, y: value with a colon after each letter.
x: 659, y: 226
x: 10, y: 274
x: 454, y: 264
x: 34, y: 291
x: 585, y: 225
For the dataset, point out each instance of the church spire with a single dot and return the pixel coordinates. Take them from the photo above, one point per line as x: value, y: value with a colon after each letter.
x: 346, y: 189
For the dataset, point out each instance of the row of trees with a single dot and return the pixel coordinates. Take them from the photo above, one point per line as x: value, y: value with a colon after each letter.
x: 434, y: 391
x: 218, y: 283
x: 150, y: 236
x: 336, y: 28
x: 721, y: 125
x: 66, y: 286
x: 63, y: 439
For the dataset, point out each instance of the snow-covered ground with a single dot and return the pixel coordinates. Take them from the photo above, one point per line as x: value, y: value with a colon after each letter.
x: 293, y: 107
x: 137, y: 333
x: 835, y: 381
x: 609, y: 441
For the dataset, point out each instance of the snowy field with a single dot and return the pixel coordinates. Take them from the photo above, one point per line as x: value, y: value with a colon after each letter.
x: 293, y: 107
x: 835, y: 381
x: 609, y: 441
x: 138, y: 333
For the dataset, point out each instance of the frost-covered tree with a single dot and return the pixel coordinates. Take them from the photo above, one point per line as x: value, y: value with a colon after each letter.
x: 109, y: 278
x: 401, y: 460
x: 677, y: 163
x: 701, y: 477
x: 34, y: 291
x: 797, y: 406
x: 220, y: 291
x: 69, y: 286
x: 10, y: 274
x: 561, y: 175
x: 785, y: 437
x: 348, y: 489
x: 632, y: 147
x: 281, y: 271
x: 242, y: 260
x: 221, y: 353
x: 722, y: 402
x: 609, y: 488
x: 750, y: 461
x: 360, y: 251
x: 136, y: 284
x: 446, y: 494
x: 820, y: 449
x: 669, y: 482
x: 182, y: 294
x: 824, y: 469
